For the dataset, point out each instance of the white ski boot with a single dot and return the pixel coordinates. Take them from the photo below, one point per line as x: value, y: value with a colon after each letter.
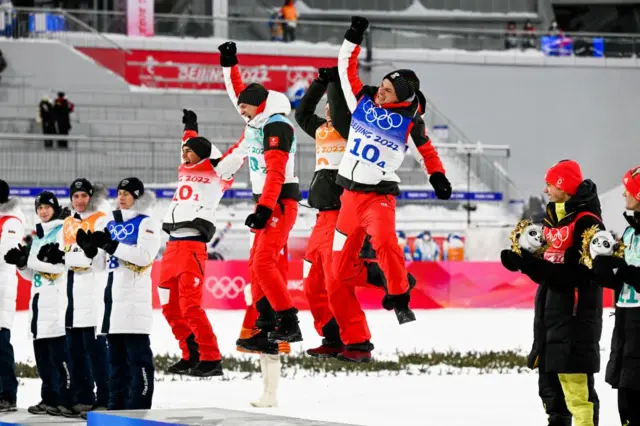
x: 270, y: 366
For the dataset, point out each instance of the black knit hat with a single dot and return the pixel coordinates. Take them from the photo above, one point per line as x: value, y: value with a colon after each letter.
x: 201, y: 146
x: 4, y: 192
x: 133, y: 185
x: 49, y: 199
x: 405, y: 82
x: 81, y: 185
x: 254, y: 94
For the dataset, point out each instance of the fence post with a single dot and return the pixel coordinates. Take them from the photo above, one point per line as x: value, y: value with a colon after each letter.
x: 469, y: 189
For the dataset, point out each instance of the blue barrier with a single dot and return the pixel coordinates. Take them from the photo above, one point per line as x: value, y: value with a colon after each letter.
x: 246, y: 194
x: 52, y: 22
x: 563, y: 46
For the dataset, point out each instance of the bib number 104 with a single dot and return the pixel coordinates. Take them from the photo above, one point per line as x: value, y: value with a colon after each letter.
x: 368, y: 152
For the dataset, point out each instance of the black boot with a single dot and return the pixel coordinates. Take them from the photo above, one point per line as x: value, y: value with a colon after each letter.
x: 267, y: 316
x: 331, y: 344
x: 207, y: 369
x: 359, y: 352
x: 184, y: 365
x: 287, y: 328
x: 259, y: 343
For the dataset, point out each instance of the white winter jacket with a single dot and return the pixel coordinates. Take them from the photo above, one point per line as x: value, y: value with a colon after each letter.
x: 11, y: 234
x: 48, y: 304
x: 128, y: 295
x: 87, y: 277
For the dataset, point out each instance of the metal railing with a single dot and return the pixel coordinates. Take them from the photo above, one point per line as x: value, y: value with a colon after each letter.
x: 383, y: 35
x: 24, y: 160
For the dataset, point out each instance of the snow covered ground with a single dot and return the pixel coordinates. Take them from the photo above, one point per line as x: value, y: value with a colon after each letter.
x: 443, y: 397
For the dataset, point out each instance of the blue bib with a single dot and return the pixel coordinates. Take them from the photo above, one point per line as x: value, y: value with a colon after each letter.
x: 378, y: 136
x: 126, y: 232
x: 51, y: 237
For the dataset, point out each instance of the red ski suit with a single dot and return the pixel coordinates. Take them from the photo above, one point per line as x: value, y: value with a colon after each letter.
x: 189, y: 223
x: 269, y: 142
x: 375, y: 149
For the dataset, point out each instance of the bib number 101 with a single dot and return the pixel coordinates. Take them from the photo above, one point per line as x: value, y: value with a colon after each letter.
x: 368, y: 152
x: 185, y: 192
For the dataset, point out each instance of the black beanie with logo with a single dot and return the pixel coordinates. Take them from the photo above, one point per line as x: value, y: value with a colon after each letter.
x: 201, y: 146
x: 49, y: 199
x: 81, y: 185
x: 254, y: 94
x: 133, y: 185
x: 405, y: 83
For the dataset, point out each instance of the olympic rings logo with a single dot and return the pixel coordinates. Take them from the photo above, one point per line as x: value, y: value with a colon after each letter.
x: 120, y: 232
x: 323, y: 132
x: 384, y: 119
x: 295, y: 76
x: 70, y: 230
x: 225, y: 287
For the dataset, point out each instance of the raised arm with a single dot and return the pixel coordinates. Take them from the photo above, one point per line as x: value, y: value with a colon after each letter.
x: 305, y: 113
x: 230, y: 162
x: 232, y: 77
x: 339, y: 111
x: 348, y: 61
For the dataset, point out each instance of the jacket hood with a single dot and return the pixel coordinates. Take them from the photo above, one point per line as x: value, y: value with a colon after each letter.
x: 99, y: 200
x: 276, y: 103
x: 585, y: 200
x: 145, y: 202
x: 12, y: 205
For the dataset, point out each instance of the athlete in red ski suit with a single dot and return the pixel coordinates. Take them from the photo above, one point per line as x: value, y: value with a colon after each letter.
x: 202, y: 179
x: 385, y: 123
x: 330, y: 135
x: 269, y: 142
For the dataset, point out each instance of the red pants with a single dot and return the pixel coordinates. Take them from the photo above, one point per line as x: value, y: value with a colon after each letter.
x: 318, y: 276
x: 363, y: 214
x: 265, y: 267
x: 180, y: 289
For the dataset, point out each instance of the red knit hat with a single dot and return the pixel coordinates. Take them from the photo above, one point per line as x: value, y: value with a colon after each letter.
x: 631, y: 182
x: 565, y: 175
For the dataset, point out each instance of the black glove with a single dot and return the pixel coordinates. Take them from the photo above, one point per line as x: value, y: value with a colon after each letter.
x: 51, y: 253
x: 17, y: 256
x: 228, y: 52
x: 259, y: 218
x: 355, y: 33
x: 603, y: 269
x: 510, y: 260
x: 398, y: 301
x: 85, y: 242
x: 327, y: 75
x: 190, y: 120
x: 441, y: 185
x: 102, y: 239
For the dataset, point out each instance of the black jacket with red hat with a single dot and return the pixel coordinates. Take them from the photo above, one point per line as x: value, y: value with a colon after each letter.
x: 568, y: 302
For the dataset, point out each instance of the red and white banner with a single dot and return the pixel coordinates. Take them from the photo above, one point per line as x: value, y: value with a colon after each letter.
x: 440, y: 285
x: 140, y: 18
x: 202, y: 71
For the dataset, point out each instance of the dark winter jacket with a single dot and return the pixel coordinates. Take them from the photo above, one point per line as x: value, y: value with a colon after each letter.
x: 623, y: 369
x: 62, y: 109
x: 324, y: 194
x: 568, y: 303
